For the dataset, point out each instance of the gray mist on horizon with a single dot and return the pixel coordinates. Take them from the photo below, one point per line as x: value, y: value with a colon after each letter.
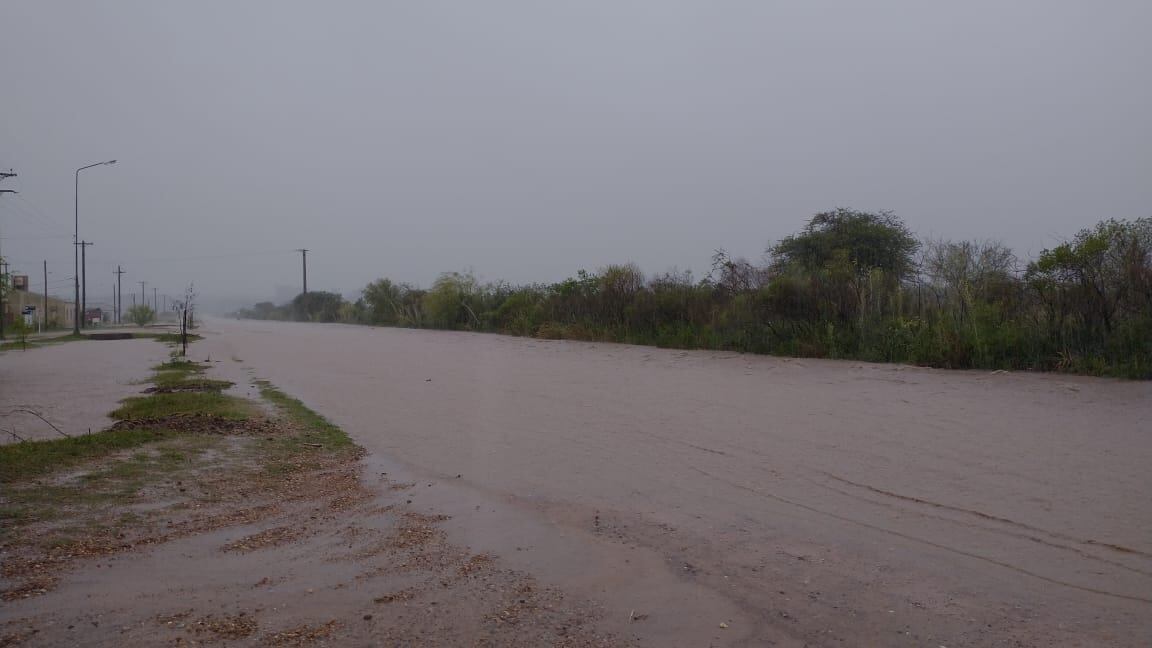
x: 528, y: 140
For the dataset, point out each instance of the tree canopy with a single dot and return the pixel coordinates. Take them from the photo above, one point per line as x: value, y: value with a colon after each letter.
x: 862, y: 240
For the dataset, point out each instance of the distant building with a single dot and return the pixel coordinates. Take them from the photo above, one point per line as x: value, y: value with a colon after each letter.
x: 60, y: 313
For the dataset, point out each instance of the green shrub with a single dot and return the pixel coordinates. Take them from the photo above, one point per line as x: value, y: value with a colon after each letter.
x: 141, y: 315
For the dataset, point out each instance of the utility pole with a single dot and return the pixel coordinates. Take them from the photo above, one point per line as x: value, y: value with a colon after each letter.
x: 84, y: 281
x: 3, y: 268
x: 304, y: 259
x: 3, y: 176
x: 143, y: 299
x: 44, y: 317
x: 119, y: 295
x: 155, y: 302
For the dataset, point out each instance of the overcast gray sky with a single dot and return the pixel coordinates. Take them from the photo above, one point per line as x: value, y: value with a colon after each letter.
x: 527, y: 140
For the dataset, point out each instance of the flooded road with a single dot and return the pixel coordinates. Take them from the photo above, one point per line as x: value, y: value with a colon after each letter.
x: 71, y: 385
x: 743, y: 500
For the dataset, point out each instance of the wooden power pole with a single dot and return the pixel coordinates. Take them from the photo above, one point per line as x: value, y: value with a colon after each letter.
x: 304, y: 259
x: 84, y: 282
x: 119, y: 295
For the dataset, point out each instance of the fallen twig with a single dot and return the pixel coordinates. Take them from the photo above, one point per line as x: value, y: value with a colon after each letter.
x: 37, y: 415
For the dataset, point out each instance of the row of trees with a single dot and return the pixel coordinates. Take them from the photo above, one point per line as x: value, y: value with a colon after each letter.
x: 849, y: 285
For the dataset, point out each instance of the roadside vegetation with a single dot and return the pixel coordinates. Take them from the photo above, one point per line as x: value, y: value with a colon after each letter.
x: 851, y: 285
x: 141, y: 315
x: 312, y: 427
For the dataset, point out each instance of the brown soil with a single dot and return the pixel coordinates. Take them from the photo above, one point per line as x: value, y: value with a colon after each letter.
x: 190, y: 387
x: 201, y: 424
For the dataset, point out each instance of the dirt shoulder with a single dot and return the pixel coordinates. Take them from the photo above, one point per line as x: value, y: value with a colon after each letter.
x: 204, y: 518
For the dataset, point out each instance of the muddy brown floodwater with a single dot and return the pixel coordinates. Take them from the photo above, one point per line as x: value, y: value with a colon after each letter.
x: 72, y: 385
x: 716, y: 498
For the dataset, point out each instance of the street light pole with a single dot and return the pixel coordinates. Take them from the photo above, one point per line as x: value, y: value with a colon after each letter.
x: 76, y: 251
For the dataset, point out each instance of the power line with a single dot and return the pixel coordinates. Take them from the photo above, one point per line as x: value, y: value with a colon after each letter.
x: 22, y: 260
x: 39, y: 212
x: 215, y: 256
x: 34, y: 238
x: 192, y: 258
x: 30, y: 213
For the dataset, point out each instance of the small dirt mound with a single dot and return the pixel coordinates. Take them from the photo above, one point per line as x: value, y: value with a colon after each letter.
x: 188, y: 387
x: 201, y: 424
x: 109, y: 336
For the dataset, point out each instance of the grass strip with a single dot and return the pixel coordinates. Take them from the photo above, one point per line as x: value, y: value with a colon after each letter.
x: 20, y: 461
x: 11, y: 344
x: 316, y: 428
x: 176, y: 364
x: 163, y: 405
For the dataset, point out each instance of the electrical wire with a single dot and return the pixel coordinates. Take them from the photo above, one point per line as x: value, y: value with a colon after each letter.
x: 35, y: 238
x: 39, y: 212
x: 214, y: 256
x: 21, y: 212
